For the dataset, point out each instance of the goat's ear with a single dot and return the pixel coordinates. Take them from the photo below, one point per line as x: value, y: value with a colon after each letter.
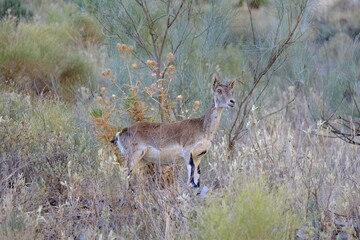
x: 231, y: 84
x: 215, y: 82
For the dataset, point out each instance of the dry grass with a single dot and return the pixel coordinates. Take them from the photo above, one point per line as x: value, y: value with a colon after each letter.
x: 61, y: 179
x: 315, y: 176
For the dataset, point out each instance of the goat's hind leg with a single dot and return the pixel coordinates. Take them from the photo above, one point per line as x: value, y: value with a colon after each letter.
x: 135, y: 163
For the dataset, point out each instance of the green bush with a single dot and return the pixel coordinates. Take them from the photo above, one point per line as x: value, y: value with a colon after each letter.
x: 251, y: 212
x: 41, y: 59
x: 88, y: 28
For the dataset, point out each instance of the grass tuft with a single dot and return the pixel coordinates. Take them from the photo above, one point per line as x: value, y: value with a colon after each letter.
x: 97, y: 112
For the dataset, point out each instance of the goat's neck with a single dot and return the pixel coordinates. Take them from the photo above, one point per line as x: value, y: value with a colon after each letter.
x: 211, y: 121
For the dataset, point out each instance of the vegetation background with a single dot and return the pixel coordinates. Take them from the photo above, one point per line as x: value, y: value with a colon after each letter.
x: 283, y: 165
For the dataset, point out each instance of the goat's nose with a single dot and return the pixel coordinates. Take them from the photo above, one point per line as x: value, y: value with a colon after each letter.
x: 232, y: 103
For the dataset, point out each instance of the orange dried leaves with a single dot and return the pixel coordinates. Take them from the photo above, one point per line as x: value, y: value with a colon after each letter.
x: 124, y: 48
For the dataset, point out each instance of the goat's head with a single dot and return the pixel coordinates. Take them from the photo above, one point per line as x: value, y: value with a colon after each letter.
x: 222, y: 94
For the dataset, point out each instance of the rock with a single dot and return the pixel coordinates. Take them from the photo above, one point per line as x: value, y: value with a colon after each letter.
x: 204, y: 190
x: 342, y: 236
x: 340, y: 223
x: 300, y: 234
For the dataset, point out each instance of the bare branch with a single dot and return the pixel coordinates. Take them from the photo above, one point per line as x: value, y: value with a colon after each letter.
x: 275, y: 54
x: 169, y: 24
x: 343, y: 136
x: 134, y: 25
x: 150, y: 25
x: 251, y: 23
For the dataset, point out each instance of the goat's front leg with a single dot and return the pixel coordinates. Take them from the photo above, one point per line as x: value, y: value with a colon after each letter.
x: 195, y: 158
x: 135, y: 163
x: 189, y: 163
x: 195, y: 171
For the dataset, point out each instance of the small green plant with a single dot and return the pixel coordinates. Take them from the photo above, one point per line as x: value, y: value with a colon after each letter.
x: 251, y: 212
x: 97, y: 112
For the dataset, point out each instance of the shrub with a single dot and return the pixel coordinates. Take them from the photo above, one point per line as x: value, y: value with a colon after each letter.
x: 88, y: 28
x: 251, y: 212
x: 41, y: 59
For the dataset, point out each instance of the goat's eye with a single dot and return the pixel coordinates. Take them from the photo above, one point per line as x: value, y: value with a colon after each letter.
x: 219, y: 91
